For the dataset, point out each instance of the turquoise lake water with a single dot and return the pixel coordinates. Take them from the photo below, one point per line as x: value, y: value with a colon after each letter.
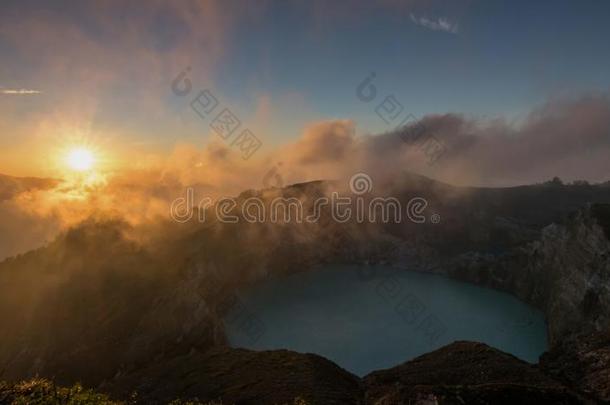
x: 366, y: 318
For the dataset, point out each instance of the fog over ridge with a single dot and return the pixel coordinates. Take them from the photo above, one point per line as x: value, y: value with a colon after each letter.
x: 569, y: 138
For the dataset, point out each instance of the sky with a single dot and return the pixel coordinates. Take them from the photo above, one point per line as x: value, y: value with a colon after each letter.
x: 106, y: 98
x: 100, y: 73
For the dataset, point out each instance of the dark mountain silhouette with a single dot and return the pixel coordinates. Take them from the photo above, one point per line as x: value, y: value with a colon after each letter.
x: 150, y: 312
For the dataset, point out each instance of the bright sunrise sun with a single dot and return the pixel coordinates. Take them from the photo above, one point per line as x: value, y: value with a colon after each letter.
x: 80, y: 159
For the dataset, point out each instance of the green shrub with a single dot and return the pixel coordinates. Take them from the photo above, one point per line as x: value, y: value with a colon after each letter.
x: 44, y: 392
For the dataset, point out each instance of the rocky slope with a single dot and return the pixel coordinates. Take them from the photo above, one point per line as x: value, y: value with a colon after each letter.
x: 566, y: 273
x: 128, y: 306
x: 466, y: 372
x: 582, y: 361
x: 242, y: 377
x: 460, y: 373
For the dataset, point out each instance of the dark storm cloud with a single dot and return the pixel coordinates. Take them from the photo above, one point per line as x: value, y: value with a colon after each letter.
x: 566, y: 138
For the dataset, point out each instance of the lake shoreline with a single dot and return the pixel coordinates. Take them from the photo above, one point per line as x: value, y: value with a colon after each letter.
x: 411, y: 297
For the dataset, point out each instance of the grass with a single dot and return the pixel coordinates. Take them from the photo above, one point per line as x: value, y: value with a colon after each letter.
x: 40, y: 391
x: 44, y: 392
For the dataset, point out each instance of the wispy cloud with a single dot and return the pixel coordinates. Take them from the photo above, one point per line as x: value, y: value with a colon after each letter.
x: 441, y: 24
x: 19, y: 92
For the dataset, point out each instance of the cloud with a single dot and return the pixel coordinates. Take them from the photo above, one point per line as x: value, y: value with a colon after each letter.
x: 441, y: 24
x: 109, y: 64
x: 324, y: 141
x: 569, y: 138
x: 19, y: 92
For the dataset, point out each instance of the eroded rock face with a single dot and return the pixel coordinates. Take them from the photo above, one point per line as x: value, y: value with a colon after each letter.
x: 460, y: 373
x: 465, y: 372
x: 239, y: 376
x: 566, y: 273
x: 180, y: 320
x: 573, y: 262
x: 582, y: 361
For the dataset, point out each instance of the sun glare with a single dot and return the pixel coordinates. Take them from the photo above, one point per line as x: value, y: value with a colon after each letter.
x: 80, y: 159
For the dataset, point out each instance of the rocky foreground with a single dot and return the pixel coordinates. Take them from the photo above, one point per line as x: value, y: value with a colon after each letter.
x: 460, y: 373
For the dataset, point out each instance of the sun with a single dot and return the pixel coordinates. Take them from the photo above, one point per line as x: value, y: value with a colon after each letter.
x: 80, y: 159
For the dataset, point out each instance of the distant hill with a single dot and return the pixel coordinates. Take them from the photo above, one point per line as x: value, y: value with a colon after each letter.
x: 98, y: 295
x: 11, y: 186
